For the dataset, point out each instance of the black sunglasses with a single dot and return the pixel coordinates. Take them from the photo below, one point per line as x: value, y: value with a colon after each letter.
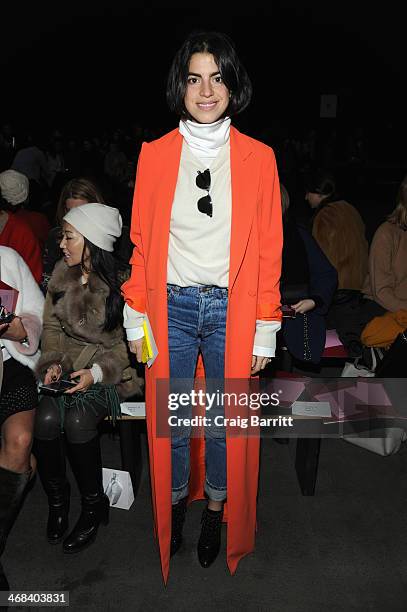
x: 203, y: 181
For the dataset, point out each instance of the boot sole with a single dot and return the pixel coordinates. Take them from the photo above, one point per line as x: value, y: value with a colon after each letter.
x: 78, y: 550
x: 88, y: 543
x: 57, y: 541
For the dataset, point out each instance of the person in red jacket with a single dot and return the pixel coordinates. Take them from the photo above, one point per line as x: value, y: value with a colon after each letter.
x: 15, y: 231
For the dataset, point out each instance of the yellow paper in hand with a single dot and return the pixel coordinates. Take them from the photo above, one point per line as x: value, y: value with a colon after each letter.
x: 147, y: 351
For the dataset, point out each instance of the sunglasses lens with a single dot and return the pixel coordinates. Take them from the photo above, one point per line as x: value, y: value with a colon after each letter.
x: 203, y: 180
x: 205, y: 205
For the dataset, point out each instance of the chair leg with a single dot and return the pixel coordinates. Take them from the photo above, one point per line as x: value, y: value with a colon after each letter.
x: 306, y: 463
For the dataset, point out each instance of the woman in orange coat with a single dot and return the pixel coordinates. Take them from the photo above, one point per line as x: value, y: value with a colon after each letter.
x: 207, y: 230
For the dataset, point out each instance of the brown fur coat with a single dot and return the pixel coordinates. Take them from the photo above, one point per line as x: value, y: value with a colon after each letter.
x: 73, y: 332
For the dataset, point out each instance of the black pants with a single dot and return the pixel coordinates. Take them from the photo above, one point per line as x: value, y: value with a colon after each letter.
x: 349, y: 314
x: 79, y: 424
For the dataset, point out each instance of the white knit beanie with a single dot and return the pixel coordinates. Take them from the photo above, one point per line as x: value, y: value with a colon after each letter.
x: 99, y: 223
x: 14, y: 187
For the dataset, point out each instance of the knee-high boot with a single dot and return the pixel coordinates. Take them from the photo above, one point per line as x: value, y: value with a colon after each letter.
x: 12, y: 486
x: 86, y: 463
x: 51, y: 464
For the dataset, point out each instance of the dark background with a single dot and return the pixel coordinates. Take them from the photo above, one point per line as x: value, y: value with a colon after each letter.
x: 92, y: 64
x: 87, y: 69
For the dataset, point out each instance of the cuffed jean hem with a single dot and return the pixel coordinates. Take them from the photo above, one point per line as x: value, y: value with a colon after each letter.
x: 215, y: 494
x: 178, y: 494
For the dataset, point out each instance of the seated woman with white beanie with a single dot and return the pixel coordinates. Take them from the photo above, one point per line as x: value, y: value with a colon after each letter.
x: 19, y: 354
x: 15, y: 231
x: 83, y: 339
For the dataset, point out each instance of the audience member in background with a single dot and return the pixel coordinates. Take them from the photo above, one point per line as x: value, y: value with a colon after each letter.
x: 114, y: 159
x: 55, y: 160
x: 31, y: 160
x: 37, y: 221
x: 339, y: 230
x: 75, y: 192
x: 386, y: 282
x: 19, y: 353
x: 91, y: 159
x: 7, y: 146
x: 14, y: 231
x: 308, y: 283
x: 83, y: 339
x: 385, y: 287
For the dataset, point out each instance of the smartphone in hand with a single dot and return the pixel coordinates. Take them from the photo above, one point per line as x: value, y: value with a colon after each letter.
x: 288, y: 311
x: 57, y: 388
x: 5, y: 317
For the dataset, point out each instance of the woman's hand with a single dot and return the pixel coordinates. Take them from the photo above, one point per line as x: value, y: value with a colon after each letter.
x: 85, y: 381
x: 259, y: 363
x: 16, y: 330
x: 136, y: 347
x: 303, y: 306
x: 53, y: 374
x: 3, y: 328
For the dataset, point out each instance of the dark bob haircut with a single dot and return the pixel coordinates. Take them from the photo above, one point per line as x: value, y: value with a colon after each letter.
x: 321, y: 181
x: 231, y: 70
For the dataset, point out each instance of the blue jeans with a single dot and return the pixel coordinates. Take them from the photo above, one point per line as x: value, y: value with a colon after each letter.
x: 197, y: 321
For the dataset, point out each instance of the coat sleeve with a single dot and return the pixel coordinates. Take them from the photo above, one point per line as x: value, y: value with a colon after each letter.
x: 30, y: 303
x: 323, y: 276
x: 51, y: 342
x: 134, y: 289
x: 270, y: 242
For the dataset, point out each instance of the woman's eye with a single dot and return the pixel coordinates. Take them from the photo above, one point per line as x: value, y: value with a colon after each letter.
x: 192, y: 80
x: 218, y: 79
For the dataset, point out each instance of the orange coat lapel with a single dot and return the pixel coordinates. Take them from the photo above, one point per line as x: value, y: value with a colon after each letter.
x: 244, y: 176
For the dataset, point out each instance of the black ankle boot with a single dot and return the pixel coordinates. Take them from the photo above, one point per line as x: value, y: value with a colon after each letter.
x: 51, y: 464
x: 209, y: 540
x: 177, y: 523
x: 86, y: 463
x: 95, y: 510
x: 12, y: 487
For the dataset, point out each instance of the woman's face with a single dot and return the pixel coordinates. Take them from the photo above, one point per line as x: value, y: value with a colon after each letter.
x: 206, y: 97
x: 74, y: 202
x: 72, y: 244
x: 314, y: 199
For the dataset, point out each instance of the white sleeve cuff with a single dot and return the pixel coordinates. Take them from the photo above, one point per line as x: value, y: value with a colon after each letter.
x: 132, y: 318
x: 262, y: 351
x: 134, y: 333
x: 265, y: 338
x: 97, y: 373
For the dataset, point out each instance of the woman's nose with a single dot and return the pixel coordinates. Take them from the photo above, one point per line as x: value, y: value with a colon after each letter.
x: 206, y: 88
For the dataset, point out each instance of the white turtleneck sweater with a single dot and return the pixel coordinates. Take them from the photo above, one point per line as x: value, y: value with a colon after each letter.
x: 199, y: 246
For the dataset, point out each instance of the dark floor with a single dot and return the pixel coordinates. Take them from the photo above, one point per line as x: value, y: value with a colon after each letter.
x: 342, y: 550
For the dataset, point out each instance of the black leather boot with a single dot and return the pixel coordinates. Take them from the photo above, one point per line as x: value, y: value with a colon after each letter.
x: 209, y: 540
x: 12, y: 487
x: 52, y: 470
x: 86, y: 462
x: 177, y: 523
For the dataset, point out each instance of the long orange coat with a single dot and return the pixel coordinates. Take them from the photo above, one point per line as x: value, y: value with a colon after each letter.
x: 255, y: 265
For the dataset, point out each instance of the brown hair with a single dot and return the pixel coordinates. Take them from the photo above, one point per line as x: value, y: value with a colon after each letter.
x: 81, y: 189
x: 399, y: 214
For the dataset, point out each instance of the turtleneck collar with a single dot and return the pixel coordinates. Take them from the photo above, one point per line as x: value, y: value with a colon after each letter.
x: 205, y: 139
